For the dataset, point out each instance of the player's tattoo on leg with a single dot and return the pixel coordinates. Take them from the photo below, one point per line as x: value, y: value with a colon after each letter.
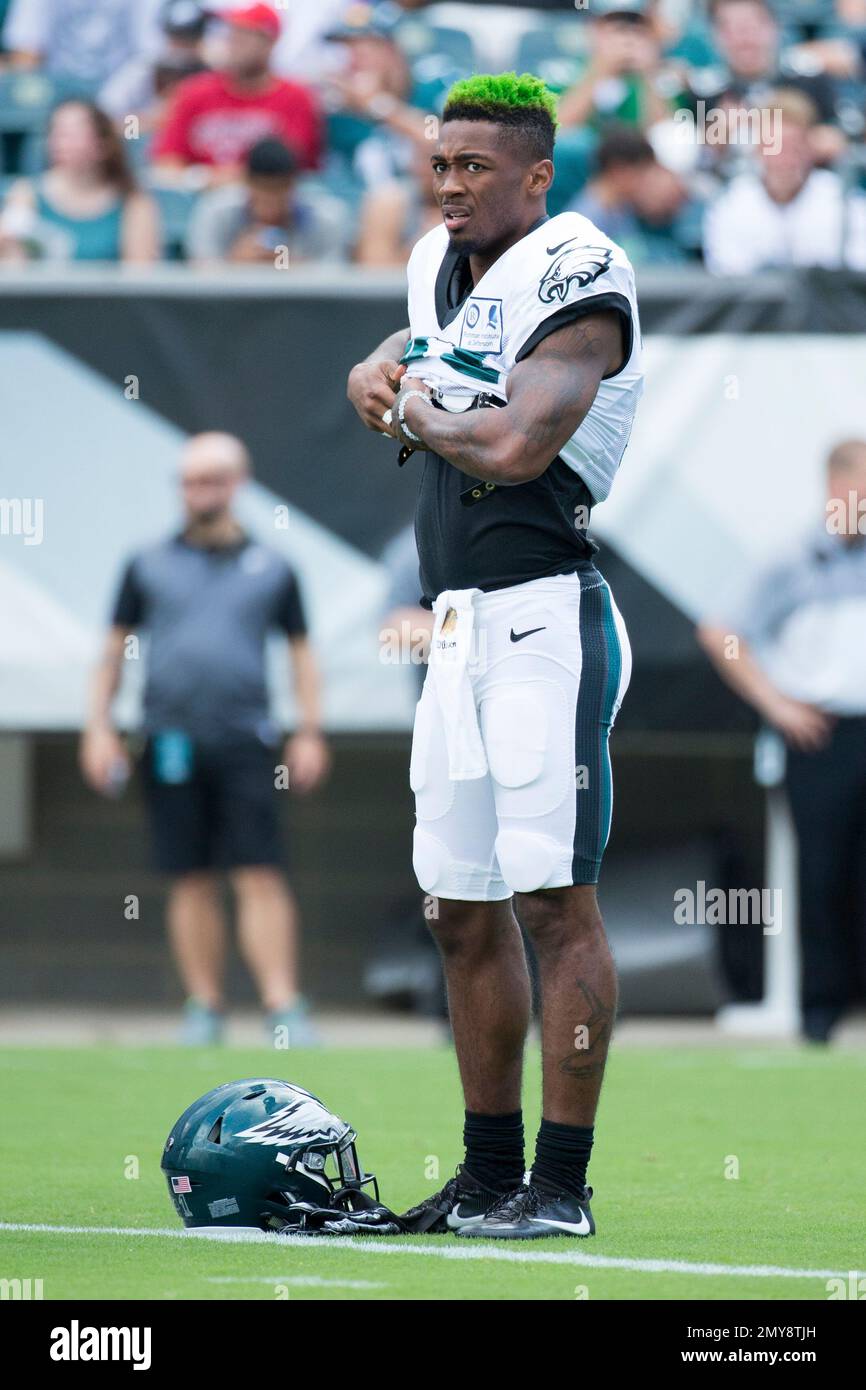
x: 592, y: 1037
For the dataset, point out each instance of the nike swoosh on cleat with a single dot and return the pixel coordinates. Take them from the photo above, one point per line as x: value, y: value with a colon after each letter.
x: 519, y: 636
x: 570, y: 1227
x: 454, y: 1221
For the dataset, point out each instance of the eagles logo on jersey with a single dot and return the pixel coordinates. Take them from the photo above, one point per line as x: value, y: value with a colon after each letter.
x: 581, y: 263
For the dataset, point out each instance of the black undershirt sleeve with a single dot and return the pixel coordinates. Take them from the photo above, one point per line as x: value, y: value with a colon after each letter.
x: 128, y: 610
x: 595, y: 304
x: 290, y: 615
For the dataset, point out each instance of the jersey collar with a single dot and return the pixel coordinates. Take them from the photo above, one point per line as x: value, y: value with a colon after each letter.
x: 230, y: 548
x: 454, y: 280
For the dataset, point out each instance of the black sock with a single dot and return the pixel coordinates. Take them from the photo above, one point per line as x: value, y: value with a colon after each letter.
x: 494, y: 1149
x: 562, y: 1157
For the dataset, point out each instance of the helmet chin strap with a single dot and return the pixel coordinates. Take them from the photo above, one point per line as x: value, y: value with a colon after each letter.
x: 351, y: 1212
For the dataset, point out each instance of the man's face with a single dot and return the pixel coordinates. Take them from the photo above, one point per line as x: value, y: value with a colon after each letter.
x: 787, y: 163
x: 747, y: 37
x: 657, y: 194
x: 248, y: 52
x: 270, y: 200
x: 208, y: 484
x: 624, y: 43
x: 482, y: 186
x: 379, y: 61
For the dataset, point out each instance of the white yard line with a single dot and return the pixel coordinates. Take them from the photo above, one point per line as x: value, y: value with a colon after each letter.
x: 449, y: 1250
x: 300, y: 1281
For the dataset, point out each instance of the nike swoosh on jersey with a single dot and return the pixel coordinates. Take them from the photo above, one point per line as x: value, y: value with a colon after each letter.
x: 519, y: 636
x: 552, y: 250
x: 454, y: 1221
x: 573, y: 1228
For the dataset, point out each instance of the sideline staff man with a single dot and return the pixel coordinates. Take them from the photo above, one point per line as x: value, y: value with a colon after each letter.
x: 207, y: 599
x: 801, y: 662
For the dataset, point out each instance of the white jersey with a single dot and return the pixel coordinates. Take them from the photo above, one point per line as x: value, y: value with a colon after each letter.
x: 562, y: 269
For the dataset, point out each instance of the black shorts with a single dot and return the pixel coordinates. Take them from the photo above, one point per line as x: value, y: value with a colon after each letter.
x: 222, y: 814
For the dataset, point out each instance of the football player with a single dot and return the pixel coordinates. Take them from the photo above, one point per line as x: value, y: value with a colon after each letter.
x: 516, y: 383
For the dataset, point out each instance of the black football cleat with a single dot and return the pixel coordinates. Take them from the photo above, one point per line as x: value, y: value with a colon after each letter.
x: 458, y: 1206
x: 532, y: 1212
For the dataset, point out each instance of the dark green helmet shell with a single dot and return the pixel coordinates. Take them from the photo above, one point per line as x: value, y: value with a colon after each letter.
x: 248, y: 1150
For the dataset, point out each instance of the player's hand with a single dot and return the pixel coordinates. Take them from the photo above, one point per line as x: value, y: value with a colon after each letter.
x: 372, y: 389
x: 308, y: 759
x: 802, y: 725
x: 103, y: 760
x: 409, y: 383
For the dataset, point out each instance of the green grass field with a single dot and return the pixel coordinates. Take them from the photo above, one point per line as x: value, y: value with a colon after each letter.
x: 78, y: 1124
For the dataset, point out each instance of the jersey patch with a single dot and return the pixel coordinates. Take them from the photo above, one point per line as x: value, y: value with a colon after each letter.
x: 581, y: 264
x: 482, y: 325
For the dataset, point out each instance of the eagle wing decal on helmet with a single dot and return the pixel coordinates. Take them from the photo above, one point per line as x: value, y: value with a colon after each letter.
x: 294, y: 1122
x: 581, y: 264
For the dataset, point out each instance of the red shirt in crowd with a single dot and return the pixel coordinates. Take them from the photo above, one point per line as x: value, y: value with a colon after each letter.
x: 210, y: 121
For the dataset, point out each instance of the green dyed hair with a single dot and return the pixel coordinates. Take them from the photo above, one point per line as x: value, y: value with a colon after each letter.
x: 522, y: 104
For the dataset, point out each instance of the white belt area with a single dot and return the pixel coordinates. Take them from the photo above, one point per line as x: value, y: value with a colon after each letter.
x: 456, y: 402
x: 450, y: 652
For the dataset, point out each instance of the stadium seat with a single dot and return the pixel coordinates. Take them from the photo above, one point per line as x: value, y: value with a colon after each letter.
x: 175, y: 209
x: 853, y: 168
x: 556, y: 53
x: 421, y: 41
x: 695, y: 45
x: 138, y: 154
x: 573, y: 163
x: 26, y: 98
x: 26, y: 102
x: 344, y: 133
x: 803, y: 14
x: 31, y: 159
x: 851, y: 107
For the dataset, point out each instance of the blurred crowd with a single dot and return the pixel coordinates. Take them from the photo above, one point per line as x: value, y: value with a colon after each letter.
x: 729, y: 132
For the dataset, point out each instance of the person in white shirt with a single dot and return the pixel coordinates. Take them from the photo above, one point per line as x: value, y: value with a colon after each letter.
x: 81, y: 41
x: 787, y: 212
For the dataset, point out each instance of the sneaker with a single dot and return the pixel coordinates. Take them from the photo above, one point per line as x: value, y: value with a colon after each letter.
x: 533, y: 1211
x: 300, y: 1030
x: 202, y: 1026
x: 461, y: 1203
x: 819, y: 1021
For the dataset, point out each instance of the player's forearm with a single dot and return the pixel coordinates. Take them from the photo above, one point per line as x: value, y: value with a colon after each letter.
x: 549, y: 394
x: 308, y: 687
x: 737, y: 667
x: 478, y: 442
x: 392, y: 349
x: 514, y: 443
x: 103, y: 688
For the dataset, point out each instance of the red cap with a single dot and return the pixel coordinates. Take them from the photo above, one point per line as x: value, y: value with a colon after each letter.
x: 259, y: 17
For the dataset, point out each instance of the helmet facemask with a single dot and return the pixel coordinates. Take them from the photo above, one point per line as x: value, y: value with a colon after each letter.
x: 335, y: 1168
